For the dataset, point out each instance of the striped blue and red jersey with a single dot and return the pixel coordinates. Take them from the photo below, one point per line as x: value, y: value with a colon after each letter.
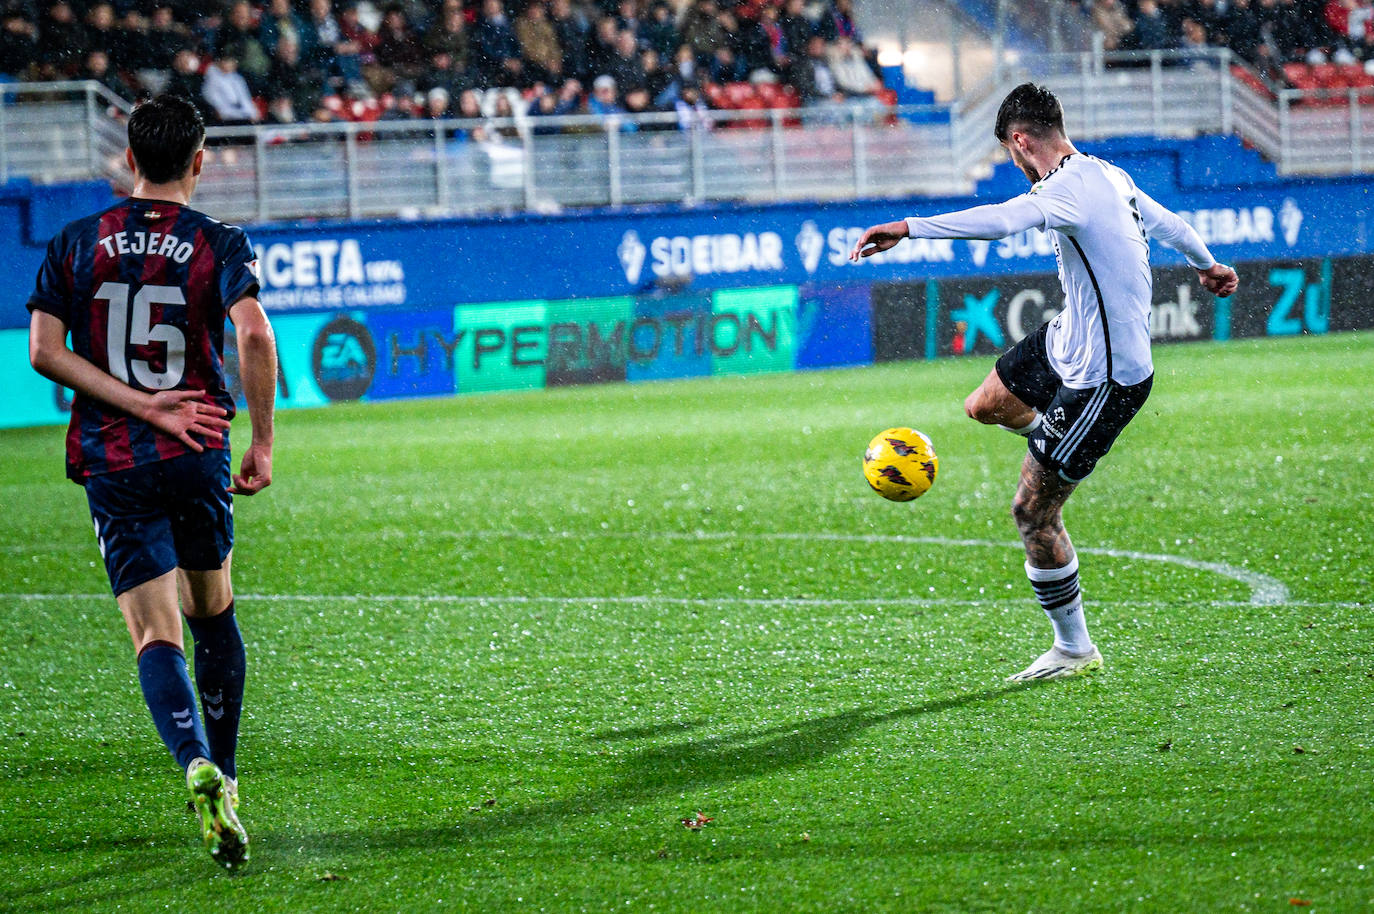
x: 144, y: 288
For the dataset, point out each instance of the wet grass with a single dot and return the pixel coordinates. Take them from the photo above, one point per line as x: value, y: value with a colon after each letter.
x: 501, y: 646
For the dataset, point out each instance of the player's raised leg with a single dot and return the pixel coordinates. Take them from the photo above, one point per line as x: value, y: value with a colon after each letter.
x: 993, y: 404
x: 1052, y: 567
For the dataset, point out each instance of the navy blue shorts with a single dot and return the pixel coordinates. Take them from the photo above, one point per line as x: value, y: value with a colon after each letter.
x: 155, y: 518
x: 1077, y: 427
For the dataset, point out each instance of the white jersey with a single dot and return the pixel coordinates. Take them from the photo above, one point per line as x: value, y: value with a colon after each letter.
x: 1098, y: 221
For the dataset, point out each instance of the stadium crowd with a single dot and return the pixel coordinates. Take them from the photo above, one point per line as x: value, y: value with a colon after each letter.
x: 1266, y: 33
x: 288, y: 61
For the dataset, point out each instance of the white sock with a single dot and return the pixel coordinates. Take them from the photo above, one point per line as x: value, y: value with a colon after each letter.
x: 1058, y: 593
x: 1026, y: 430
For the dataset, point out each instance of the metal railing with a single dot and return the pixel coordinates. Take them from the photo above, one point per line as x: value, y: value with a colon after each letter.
x: 459, y: 167
x: 414, y: 168
x: 61, y: 131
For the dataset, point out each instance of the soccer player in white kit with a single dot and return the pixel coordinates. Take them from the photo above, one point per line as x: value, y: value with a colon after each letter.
x: 1072, y: 386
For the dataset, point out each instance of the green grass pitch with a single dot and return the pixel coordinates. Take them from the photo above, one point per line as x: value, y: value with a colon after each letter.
x: 501, y: 646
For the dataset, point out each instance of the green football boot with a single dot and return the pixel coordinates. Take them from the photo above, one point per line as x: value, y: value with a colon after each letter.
x: 219, y: 825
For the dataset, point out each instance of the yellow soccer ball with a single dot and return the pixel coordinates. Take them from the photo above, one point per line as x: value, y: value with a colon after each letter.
x: 900, y: 464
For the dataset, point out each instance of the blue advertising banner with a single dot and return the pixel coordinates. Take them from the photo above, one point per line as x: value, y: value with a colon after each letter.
x: 603, y: 255
x: 439, y: 264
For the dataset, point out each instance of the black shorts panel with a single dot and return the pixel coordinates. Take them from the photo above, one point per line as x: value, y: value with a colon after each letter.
x: 1078, y: 427
x: 1025, y: 370
x: 154, y: 518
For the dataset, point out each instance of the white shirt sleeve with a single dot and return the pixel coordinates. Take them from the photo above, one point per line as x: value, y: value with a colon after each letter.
x: 1169, y: 228
x: 983, y: 223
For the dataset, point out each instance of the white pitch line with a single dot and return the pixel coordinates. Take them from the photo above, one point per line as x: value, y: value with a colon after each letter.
x: 1264, y: 590
x: 642, y: 600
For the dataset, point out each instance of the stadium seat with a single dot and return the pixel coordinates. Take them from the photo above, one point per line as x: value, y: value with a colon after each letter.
x: 1247, y: 76
x: 1300, y: 76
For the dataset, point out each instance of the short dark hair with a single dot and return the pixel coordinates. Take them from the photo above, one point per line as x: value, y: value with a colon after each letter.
x: 164, y: 134
x: 1033, y: 108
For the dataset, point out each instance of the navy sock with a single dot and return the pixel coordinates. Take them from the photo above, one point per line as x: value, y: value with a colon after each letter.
x: 220, y: 668
x: 171, y: 700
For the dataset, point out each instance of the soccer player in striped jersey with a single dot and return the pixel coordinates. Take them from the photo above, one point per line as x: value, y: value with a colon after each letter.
x: 1072, y: 386
x: 144, y: 288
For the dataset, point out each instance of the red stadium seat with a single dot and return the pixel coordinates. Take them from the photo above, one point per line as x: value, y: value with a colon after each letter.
x: 1245, y: 75
x: 738, y: 94
x: 1300, y: 76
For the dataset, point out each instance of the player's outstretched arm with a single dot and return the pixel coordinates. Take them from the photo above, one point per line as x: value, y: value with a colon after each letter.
x: 258, y: 374
x: 1166, y: 225
x: 179, y: 413
x: 990, y: 222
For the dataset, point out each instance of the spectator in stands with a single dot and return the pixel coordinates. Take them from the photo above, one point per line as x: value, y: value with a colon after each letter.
x: 132, y: 46
x: 1194, y: 46
x: 1152, y: 31
x: 813, y: 78
x: 626, y: 67
x: 437, y: 104
x: 101, y: 32
x: 449, y: 35
x: 187, y: 82
x: 726, y: 67
x: 496, y: 49
x: 98, y: 68
x: 703, y: 32
x: 539, y: 44
x: 627, y: 17
x: 60, y: 40
x: 548, y: 103
x: 692, y: 112
x: 227, y: 91
x: 604, y: 101
x: 1210, y: 15
x: 400, y: 55
x: 1111, y: 20
x: 166, y: 36
x: 659, y: 83
x: 601, y: 46
x: 748, y: 43
x: 335, y: 53
x: 238, y: 40
x: 838, y: 22
x: 770, y: 28
x: 1242, y: 29
x: 18, y: 44
x: 287, y: 81
x: 850, y: 68
x: 684, y: 68
x: 504, y: 114
x: 358, y: 35
x: 1269, y: 67
x: 570, y: 27
x: 796, y: 30
x: 470, y: 109
x: 660, y: 31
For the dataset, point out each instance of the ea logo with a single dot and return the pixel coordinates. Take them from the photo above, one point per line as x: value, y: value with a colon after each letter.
x: 344, y: 359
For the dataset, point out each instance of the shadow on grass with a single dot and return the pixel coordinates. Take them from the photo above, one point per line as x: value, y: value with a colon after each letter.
x: 652, y: 773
